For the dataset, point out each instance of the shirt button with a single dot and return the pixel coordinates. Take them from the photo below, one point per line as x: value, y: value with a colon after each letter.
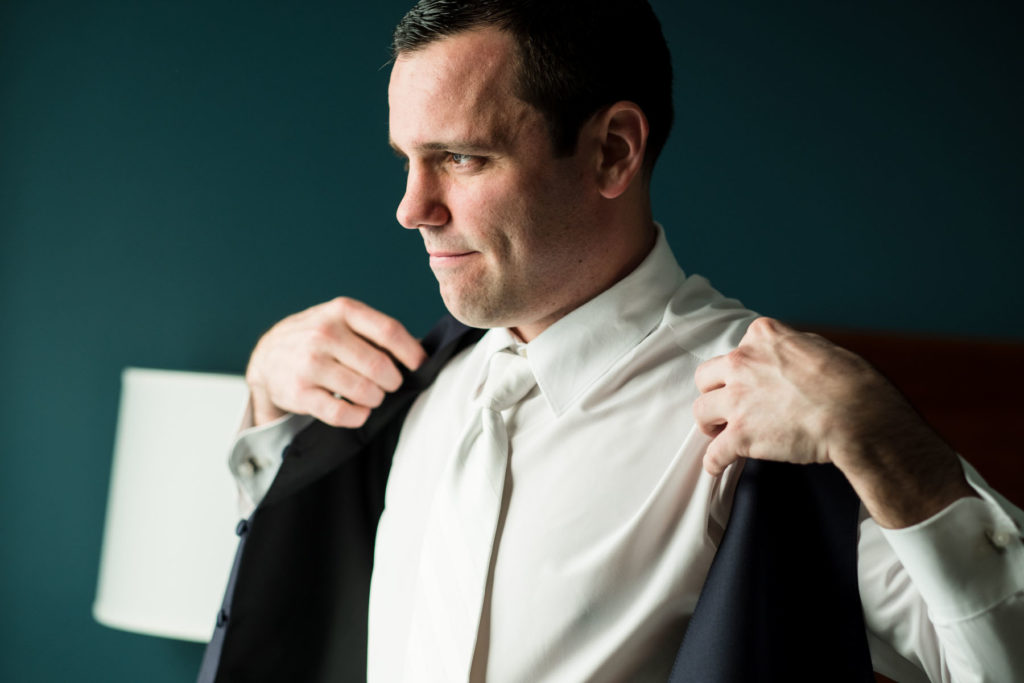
x: 1000, y: 539
x: 247, y: 468
x: 243, y: 528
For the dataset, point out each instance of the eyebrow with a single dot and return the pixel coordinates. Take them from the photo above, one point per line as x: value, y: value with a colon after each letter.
x: 463, y: 146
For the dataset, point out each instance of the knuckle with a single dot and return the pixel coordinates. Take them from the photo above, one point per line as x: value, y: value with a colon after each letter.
x: 763, y: 327
x: 340, y: 305
x: 391, y: 329
x: 301, y: 372
x: 705, y: 368
x: 719, y: 459
x: 736, y: 358
x: 368, y: 392
x: 336, y: 413
x: 320, y: 333
x: 700, y: 411
x: 711, y: 459
x: 759, y: 325
x: 378, y: 365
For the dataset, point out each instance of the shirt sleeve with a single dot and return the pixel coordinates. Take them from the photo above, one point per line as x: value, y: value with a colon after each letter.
x: 945, y: 597
x: 256, y: 455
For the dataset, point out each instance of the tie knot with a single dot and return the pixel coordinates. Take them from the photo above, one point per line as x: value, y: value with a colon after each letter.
x: 509, y: 379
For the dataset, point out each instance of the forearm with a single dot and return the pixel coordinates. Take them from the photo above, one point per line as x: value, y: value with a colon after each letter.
x: 903, y: 473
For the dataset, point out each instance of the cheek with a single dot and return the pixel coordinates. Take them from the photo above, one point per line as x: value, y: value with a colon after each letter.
x: 497, y: 218
x: 555, y: 215
x: 529, y: 219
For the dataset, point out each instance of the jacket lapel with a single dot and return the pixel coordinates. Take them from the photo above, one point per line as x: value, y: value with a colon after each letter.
x: 320, y: 448
x: 781, y: 601
x: 295, y: 607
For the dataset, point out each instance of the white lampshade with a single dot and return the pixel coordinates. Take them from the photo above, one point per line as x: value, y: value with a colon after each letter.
x: 169, y: 539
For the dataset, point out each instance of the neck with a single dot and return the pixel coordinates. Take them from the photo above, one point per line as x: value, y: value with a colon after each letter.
x: 629, y: 244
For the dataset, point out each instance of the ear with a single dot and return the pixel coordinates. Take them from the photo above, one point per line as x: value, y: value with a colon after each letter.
x: 622, y: 131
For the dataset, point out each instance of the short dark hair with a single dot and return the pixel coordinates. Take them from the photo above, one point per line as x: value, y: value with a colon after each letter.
x: 575, y: 57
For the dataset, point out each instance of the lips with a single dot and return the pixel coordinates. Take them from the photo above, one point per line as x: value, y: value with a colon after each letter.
x: 447, y: 258
x: 448, y: 254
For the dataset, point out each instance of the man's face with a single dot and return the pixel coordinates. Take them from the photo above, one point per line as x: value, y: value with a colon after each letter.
x: 504, y: 221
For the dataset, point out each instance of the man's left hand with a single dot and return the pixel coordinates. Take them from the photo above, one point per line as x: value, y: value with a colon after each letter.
x: 792, y: 396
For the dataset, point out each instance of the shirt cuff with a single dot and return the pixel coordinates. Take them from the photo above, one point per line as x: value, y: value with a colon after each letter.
x: 966, y: 559
x: 257, y: 452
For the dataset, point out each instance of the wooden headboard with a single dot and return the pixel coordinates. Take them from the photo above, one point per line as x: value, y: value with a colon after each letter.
x: 970, y: 391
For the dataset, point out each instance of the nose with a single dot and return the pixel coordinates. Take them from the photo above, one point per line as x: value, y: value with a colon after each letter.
x: 423, y: 204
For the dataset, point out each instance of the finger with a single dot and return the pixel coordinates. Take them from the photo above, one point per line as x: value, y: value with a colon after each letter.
x: 721, y: 452
x: 339, y: 380
x: 385, y: 332
x: 362, y: 357
x: 710, y: 411
x: 764, y: 328
x: 336, y: 412
x: 710, y: 374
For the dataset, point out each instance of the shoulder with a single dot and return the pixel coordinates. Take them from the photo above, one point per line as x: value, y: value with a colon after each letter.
x: 703, y: 322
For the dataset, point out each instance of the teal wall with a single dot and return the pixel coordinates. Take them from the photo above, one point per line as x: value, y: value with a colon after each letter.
x: 177, y: 175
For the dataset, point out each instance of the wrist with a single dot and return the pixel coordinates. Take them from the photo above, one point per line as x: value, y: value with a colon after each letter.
x: 904, y: 481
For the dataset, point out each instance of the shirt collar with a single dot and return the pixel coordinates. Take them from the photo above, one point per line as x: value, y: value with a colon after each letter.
x: 575, y: 351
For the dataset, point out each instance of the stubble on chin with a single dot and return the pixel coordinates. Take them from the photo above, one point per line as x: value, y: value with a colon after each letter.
x: 471, y: 308
x: 481, y: 305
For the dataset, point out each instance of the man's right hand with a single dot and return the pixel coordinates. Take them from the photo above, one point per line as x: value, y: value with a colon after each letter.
x: 341, y: 348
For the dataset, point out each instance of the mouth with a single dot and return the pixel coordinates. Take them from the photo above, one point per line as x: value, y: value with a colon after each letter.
x: 449, y: 258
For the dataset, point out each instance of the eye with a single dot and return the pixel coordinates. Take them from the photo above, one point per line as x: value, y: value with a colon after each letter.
x: 465, y: 162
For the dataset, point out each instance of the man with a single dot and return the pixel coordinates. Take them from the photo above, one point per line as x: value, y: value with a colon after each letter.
x: 530, y: 131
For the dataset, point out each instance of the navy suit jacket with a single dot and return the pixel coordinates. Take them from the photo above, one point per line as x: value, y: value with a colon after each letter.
x: 780, y: 602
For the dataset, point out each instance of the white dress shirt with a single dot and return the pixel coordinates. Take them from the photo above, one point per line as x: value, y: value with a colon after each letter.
x: 611, y: 523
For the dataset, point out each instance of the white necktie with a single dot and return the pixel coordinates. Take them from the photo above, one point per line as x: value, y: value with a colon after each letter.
x: 456, y: 556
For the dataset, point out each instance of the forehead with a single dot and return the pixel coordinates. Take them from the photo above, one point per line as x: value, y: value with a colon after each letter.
x: 459, y: 87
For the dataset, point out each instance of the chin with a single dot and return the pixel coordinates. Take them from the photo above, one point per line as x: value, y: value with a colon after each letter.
x: 473, y: 318
x: 478, y: 314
